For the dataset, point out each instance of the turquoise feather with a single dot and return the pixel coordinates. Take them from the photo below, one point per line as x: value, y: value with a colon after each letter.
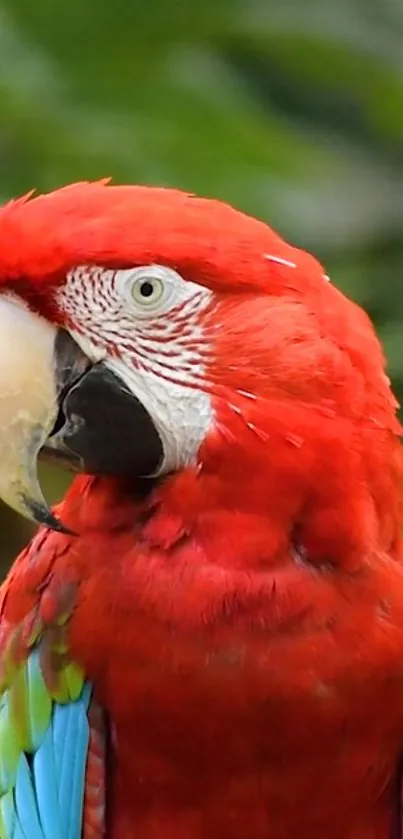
x: 25, y: 801
x: 44, y: 740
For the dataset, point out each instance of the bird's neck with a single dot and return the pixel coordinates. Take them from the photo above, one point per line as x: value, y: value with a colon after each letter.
x: 327, y: 492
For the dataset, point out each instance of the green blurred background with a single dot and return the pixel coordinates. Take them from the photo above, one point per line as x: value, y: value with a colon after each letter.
x: 292, y: 110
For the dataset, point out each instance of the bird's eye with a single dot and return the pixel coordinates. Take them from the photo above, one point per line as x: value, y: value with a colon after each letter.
x: 147, y: 290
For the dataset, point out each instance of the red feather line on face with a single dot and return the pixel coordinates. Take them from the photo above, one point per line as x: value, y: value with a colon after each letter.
x: 172, y: 341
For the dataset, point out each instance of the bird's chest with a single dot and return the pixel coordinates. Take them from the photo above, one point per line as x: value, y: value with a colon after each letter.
x: 226, y: 730
x: 213, y: 754
x: 173, y: 791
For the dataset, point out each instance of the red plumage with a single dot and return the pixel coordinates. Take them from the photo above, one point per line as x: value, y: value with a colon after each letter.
x: 243, y: 622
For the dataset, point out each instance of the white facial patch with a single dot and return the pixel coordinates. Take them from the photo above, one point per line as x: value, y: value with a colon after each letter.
x: 146, y: 324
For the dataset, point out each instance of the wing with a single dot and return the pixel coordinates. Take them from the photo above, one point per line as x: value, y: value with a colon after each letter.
x: 52, y: 734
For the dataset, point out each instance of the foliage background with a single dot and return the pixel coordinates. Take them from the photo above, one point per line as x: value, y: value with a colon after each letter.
x: 291, y: 110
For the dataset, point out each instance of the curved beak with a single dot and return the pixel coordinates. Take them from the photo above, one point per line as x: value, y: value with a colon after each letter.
x: 55, y: 403
x: 30, y: 387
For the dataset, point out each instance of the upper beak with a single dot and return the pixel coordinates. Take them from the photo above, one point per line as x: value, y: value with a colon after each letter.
x: 54, y: 401
x: 29, y: 393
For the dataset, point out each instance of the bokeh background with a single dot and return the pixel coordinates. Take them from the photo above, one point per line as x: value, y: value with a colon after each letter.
x: 290, y: 109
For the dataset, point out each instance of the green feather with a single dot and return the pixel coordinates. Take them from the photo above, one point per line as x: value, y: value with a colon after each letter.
x: 70, y: 683
x: 18, y: 703
x: 9, y: 749
x: 25, y: 714
x: 34, y: 675
x: 39, y: 708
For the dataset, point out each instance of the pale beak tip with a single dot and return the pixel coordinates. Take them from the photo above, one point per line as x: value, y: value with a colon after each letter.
x: 44, y: 516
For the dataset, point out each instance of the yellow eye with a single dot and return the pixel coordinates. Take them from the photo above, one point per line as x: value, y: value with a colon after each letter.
x: 147, y: 290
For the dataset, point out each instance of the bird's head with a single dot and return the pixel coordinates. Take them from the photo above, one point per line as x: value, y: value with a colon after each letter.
x: 144, y: 331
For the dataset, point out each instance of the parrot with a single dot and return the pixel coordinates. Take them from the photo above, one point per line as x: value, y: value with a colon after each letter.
x: 204, y: 638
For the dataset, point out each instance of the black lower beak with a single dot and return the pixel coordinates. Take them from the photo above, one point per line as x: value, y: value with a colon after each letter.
x: 102, y: 428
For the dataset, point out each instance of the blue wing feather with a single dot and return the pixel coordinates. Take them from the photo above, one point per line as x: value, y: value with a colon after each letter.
x: 18, y: 831
x: 44, y: 798
x: 78, y: 781
x: 71, y: 727
x: 46, y: 777
x: 25, y: 801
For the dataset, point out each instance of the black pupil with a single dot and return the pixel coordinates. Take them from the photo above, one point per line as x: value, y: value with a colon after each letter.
x: 146, y: 289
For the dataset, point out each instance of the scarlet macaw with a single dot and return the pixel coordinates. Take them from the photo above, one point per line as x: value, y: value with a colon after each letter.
x: 204, y: 640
